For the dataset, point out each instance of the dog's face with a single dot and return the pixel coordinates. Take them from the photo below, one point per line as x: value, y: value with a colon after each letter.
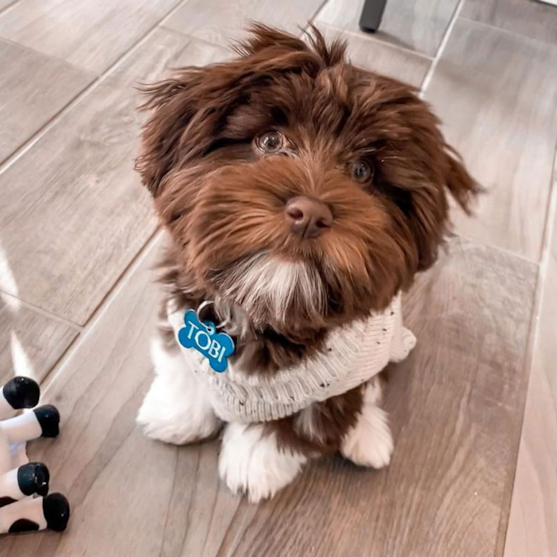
x: 296, y: 186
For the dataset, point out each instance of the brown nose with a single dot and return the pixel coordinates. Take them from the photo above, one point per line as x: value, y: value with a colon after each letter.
x: 308, y: 217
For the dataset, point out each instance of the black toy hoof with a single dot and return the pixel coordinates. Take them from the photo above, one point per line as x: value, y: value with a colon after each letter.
x: 56, y: 511
x: 33, y: 478
x: 49, y: 420
x: 22, y: 392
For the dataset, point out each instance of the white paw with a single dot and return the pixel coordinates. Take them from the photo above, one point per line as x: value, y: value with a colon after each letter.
x: 251, y: 462
x: 177, y: 408
x: 369, y: 442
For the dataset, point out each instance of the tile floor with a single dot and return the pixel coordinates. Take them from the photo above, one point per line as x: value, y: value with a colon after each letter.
x: 475, y: 407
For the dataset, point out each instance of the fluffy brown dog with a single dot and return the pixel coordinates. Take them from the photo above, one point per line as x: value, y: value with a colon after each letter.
x: 300, y: 194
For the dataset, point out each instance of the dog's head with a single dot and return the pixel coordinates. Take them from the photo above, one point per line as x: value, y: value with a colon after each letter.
x: 296, y: 186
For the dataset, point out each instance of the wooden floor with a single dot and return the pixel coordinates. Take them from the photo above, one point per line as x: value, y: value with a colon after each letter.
x: 474, y: 409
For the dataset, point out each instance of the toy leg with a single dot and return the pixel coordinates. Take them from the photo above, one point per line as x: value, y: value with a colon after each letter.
x: 369, y: 442
x: 18, y: 392
x: 35, y: 513
x: 15, y: 432
x: 40, y: 422
x: 20, y: 482
x: 177, y: 408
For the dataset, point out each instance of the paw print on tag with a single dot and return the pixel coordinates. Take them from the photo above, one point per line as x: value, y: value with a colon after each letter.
x: 203, y: 337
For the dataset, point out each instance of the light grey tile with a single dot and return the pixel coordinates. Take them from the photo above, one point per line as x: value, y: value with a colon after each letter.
x: 74, y: 213
x: 495, y: 93
x: 454, y: 408
x: 413, y: 24
x: 530, y: 18
x: 89, y: 34
x: 380, y: 57
x: 220, y: 21
x: 531, y: 529
x: 33, y: 89
x: 30, y: 342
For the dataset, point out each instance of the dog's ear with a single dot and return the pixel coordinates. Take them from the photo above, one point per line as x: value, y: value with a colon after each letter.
x: 460, y: 184
x: 430, y: 218
x: 175, y: 105
x: 429, y: 172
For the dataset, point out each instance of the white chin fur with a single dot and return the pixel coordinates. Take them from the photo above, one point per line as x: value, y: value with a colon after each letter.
x: 269, y: 284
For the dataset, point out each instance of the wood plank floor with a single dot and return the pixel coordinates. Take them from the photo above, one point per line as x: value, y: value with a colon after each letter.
x: 77, y: 299
x: 5, y: 3
x: 87, y: 33
x: 30, y: 342
x: 221, y: 21
x: 380, y: 57
x: 534, y: 506
x: 29, y: 100
x: 506, y: 129
x: 81, y: 184
x: 413, y: 24
x: 468, y: 368
x: 529, y: 18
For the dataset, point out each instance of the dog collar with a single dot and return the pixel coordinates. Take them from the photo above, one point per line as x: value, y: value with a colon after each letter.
x: 203, y: 337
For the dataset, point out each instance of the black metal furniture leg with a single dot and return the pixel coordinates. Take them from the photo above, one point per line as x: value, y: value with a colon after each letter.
x: 372, y: 14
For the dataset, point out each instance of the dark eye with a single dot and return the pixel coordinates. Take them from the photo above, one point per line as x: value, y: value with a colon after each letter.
x: 270, y: 142
x: 361, y: 171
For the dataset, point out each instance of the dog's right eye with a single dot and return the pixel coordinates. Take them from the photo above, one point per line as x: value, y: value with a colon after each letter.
x: 361, y: 171
x: 270, y: 142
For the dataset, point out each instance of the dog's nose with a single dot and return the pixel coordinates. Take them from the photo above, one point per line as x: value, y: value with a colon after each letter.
x: 308, y: 217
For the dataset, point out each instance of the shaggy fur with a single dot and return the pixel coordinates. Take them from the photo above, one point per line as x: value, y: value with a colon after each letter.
x: 222, y: 199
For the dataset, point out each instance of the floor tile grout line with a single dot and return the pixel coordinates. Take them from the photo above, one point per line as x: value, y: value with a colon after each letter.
x: 44, y: 129
x: 204, y: 42
x: 515, y: 441
x: 138, y: 257
x: 548, y: 45
x: 500, y: 249
x: 102, y: 307
x: 316, y: 13
x: 37, y: 309
x: 7, y: 162
x: 371, y: 37
x: 441, y: 48
x: 123, y: 274
x: 8, y: 7
x: 533, y: 334
x: 50, y: 56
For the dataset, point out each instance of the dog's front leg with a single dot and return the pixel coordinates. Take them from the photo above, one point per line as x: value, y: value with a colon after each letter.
x: 177, y: 408
x: 253, y: 462
x: 369, y: 441
x: 260, y: 459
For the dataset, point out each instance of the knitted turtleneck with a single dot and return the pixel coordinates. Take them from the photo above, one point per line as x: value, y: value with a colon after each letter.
x: 351, y: 356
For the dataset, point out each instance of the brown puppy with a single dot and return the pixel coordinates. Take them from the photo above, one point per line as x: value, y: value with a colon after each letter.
x: 300, y: 194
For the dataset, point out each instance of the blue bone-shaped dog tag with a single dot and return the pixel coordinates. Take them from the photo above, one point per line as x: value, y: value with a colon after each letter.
x: 216, y: 347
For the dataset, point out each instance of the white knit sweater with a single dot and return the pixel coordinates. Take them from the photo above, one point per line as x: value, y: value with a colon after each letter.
x: 352, y: 355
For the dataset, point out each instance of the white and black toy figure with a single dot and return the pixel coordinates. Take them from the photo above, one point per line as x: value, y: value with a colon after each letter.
x: 24, y: 503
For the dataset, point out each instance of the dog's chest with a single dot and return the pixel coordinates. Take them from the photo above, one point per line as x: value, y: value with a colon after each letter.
x: 351, y: 356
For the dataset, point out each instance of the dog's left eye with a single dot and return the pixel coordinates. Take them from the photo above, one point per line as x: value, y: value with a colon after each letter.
x: 270, y: 142
x: 361, y: 171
